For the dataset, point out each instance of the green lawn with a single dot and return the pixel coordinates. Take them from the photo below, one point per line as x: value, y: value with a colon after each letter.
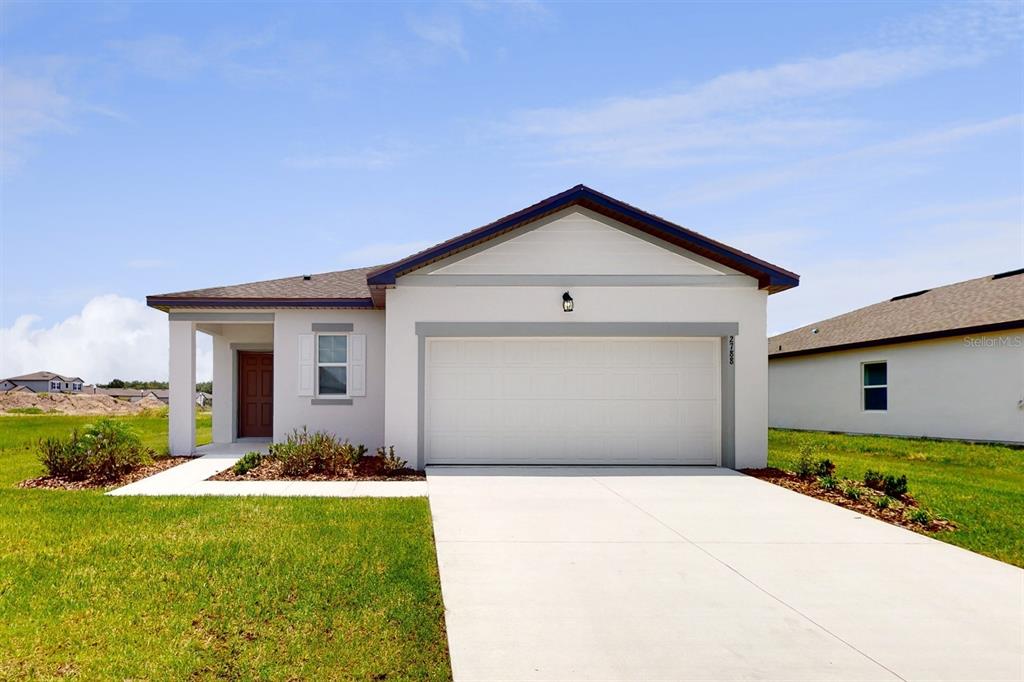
x: 210, y: 588
x: 980, y: 487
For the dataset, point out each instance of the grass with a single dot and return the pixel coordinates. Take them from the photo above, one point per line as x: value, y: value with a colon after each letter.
x: 209, y: 588
x: 978, y: 486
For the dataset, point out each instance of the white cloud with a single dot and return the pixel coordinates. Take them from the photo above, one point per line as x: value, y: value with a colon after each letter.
x: 441, y: 31
x: 160, y: 56
x: 29, y: 106
x: 112, y: 336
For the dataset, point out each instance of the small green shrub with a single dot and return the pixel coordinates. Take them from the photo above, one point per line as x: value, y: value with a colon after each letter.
x: 852, y: 491
x: 65, y: 457
x: 104, y: 450
x: 824, y: 467
x: 828, y: 482
x: 919, y: 516
x: 247, y: 463
x: 883, y: 502
x: 894, y: 486
x: 805, y: 465
x: 303, y: 453
x: 874, y: 479
x: 390, y: 461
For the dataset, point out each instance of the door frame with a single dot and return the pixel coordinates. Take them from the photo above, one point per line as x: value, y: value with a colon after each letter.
x: 726, y: 331
x: 236, y: 385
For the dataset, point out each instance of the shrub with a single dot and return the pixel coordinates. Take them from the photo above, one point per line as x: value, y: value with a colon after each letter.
x: 895, y: 487
x: 883, y: 502
x: 919, y: 516
x: 874, y: 479
x: 825, y: 467
x: 828, y: 482
x: 64, y: 457
x: 852, y: 491
x: 104, y: 450
x: 390, y: 461
x: 303, y: 453
x: 247, y: 463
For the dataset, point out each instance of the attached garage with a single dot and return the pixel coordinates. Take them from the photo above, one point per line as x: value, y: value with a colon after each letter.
x: 573, y: 400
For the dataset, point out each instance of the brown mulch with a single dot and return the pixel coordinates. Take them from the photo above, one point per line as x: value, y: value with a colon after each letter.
x: 58, y: 483
x: 893, y: 514
x: 369, y: 469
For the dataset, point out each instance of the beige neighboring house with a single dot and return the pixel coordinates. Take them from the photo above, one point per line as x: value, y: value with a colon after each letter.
x: 942, y: 363
x: 579, y: 330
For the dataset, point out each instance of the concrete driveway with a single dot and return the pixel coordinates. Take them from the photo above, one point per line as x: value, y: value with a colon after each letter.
x: 595, y: 573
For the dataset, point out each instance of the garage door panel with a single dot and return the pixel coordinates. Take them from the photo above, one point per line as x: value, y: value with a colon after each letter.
x: 572, y: 400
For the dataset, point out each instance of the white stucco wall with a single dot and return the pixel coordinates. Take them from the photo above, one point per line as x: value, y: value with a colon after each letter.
x: 943, y: 388
x: 407, y: 305
x: 360, y: 422
x: 225, y: 372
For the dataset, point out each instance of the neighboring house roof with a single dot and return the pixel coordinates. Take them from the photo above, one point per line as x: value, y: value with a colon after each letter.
x: 991, y: 303
x: 364, y: 287
x: 43, y: 376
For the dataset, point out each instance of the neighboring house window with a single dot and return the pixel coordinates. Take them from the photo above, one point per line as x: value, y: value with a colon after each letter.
x: 332, y: 365
x: 55, y: 385
x: 876, y: 386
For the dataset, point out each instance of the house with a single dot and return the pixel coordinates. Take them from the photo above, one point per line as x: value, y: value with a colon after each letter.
x: 43, y: 382
x: 577, y: 330
x: 943, y: 363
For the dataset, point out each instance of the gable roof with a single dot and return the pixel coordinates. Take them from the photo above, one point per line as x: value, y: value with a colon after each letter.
x: 991, y: 303
x: 364, y: 287
x: 770, y: 277
x: 42, y: 376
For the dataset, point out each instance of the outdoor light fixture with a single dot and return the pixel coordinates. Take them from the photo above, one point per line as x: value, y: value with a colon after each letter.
x: 567, y: 302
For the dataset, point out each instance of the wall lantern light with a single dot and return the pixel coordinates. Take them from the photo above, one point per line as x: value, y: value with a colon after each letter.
x: 567, y: 302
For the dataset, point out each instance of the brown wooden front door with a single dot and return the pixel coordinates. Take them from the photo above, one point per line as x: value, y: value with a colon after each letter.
x: 255, y: 394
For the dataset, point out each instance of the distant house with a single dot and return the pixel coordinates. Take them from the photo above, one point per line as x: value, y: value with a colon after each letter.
x: 134, y: 395
x: 43, y: 382
x: 944, y: 363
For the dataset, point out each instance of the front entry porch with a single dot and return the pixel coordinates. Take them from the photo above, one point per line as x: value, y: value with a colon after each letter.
x: 243, y: 377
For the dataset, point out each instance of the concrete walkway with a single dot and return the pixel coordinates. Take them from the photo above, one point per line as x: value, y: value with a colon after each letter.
x: 190, y: 479
x: 588, y: 573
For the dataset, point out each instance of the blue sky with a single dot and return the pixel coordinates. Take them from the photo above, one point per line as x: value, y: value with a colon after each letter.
x: 874, y: 148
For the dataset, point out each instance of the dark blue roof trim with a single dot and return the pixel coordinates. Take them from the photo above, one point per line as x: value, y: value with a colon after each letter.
x: 181, y: 302
x: 769, y: 276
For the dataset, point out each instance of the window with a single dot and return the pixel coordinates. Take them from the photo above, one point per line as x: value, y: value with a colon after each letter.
x: 54, y: 385
x: 332, y: 365
x: 876, y: 386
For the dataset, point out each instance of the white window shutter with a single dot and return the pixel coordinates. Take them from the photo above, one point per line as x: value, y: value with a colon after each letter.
x: 307, y: 364
x: 357, y: 365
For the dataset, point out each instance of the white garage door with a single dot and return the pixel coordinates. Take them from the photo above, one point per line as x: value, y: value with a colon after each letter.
x: 572, y: 401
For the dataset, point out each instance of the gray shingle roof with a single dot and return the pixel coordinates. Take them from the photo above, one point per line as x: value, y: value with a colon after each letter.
x: 42, y: 376
x: 995, y: 301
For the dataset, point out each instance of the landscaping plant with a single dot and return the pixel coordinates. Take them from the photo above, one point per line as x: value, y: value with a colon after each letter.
x: 894, y: 486
x: 247, y: 463
x: 874, y: 479
x: 852, y: 491
x: 303, y: 453
x: 389, y: 460
x: 828, y: 482
x: 104, y: 450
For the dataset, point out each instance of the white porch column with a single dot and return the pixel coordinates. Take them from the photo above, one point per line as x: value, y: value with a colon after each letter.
x: 181, y: 431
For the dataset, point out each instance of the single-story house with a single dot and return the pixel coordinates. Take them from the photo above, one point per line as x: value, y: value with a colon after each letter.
x: 44, y: 382
x: 942, y: 363
x: 577, y: 330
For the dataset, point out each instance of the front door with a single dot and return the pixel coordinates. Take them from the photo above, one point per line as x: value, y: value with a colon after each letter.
x: 255, y: 395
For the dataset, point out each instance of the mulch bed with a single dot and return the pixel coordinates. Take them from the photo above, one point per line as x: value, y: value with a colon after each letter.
x: 893, y: 514
x: 58, y: 483
x: 368, y: 469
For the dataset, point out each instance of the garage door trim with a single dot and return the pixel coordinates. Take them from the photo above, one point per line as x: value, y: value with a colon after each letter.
x: 725, y: 330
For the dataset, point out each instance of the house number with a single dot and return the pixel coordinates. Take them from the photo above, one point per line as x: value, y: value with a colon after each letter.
x: 732, y: 350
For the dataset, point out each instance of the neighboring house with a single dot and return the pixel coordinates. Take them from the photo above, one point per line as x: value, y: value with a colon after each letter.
x: 578, y: 330
x: 944, y: 363
x: 44, y: 382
